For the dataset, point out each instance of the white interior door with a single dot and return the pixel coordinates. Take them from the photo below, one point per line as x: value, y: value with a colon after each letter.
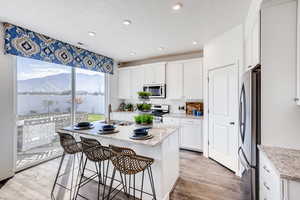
x: 223, y: 116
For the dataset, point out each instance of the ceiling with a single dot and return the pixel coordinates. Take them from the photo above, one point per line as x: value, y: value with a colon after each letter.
x: 154, y: 23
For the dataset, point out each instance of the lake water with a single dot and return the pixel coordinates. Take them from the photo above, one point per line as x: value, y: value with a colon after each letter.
x: 28, y: 104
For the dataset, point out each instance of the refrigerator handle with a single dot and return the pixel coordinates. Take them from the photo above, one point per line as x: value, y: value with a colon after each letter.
x: 242, y: 114
x: 244, y: 160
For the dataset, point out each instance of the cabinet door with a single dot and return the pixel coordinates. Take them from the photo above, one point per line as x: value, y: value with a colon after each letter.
x: 174, y: 80
x: 191, y: 137
x: 155, y: 73
x: 193, y: 80
x: 159, y: 73
x: 124, y: 83
x: 148, y: 74
x: 137, y: 81
x: 255, y: 41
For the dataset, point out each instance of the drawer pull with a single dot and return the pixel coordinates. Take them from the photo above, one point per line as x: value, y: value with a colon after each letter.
x: 266, y: 169
x: 267, y: 187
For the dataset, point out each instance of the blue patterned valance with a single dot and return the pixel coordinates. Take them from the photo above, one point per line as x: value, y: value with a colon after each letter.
x: 26, y: 43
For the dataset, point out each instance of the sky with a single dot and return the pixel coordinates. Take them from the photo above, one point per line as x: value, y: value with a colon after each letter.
x: 29, y: 68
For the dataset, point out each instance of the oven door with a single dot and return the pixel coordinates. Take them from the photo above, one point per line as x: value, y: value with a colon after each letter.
x: 157, y: 91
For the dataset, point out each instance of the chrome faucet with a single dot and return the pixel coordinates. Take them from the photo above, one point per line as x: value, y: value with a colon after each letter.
x: 109, y: 112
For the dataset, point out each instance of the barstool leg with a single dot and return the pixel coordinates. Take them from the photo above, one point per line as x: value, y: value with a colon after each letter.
x: 72, y: 176
x: 81, y: 177
x: 80, y: 165
x: 141, y: 197
x: 99, y: 179
x: 134, y: 186
x: 151, y: 181
x: 56, y: 177
x: 129, y: 189
x: 111, y: 183
x: 106, y: 174
x: 122, y: 181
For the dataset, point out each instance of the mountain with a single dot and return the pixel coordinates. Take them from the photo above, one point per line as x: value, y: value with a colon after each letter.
x: 61, y: 83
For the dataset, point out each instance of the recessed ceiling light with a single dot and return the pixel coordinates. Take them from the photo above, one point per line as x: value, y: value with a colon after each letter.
x: 80, y: 43
x: 127, y: 22
x: 132, y: 53
x: 177, y: 6
x: 195, y: 42
x: 91, y: 33
x: 160, y: 48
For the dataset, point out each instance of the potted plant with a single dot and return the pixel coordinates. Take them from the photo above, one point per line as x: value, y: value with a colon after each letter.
x: 129, y: 107
x: 144, y: 107
x: 144, y: 95
x: 144, y: 119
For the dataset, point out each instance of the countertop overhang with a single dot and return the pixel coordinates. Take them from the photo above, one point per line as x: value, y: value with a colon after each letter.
x: 286, y: 161
x: 159, y: 131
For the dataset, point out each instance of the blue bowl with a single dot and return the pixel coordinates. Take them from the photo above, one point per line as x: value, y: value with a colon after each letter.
x: 108, y: 127
x: 141, y: 131
x: 83, y: 124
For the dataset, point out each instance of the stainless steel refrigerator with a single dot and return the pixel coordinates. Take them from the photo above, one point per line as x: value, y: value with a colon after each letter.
x: 250, y: 131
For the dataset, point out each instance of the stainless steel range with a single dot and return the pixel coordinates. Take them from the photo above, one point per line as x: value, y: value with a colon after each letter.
x: 158, y: 110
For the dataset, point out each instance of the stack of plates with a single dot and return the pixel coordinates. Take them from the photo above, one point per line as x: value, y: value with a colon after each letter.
x: 141, y: 134
x: 84, y: 126
x: 108, y: 129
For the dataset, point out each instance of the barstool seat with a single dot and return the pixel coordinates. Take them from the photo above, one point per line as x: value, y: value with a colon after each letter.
x: 70, y: 147
x: 127, y: 162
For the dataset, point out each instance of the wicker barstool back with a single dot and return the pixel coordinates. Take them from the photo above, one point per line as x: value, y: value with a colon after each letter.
x: 93, y: 150
x: 127, y: 162
x: 69, y: 144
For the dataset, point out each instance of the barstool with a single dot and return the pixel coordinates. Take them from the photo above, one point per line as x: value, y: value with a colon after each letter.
x: 96, y: 153
x: 70, y: 147
x: 127, y: 162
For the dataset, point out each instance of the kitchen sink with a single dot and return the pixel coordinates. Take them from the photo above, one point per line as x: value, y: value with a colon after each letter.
x: 119, y: 122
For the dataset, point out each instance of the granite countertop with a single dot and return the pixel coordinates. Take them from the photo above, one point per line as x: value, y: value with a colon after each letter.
x: 159, y: 131
x: 183, y: 115
x: 286, y: 161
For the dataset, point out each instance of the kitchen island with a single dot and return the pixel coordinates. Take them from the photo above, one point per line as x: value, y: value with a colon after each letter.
x: 163, y: 148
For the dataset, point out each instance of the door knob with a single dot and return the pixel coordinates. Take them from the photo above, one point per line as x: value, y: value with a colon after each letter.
x: 231, y: 123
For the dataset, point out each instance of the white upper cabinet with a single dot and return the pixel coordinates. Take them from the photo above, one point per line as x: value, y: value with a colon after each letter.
x: 183, y: 79
x: 193, y: 79
x: 174, y: 80
x: 252, y: 36
x: 137, y: 81
x: 155, y: 73
x: 124, y: 83
x: 297, y: 99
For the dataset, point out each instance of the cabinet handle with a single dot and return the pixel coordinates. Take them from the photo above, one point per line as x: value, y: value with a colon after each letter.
x: 249, y: 66
x: 266, y: 169
x: 231, y: 123
x: 296, y: 99
x: 265, y: 185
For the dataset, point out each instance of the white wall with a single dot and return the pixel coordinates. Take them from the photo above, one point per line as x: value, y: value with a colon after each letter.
x: 7, y: 112
x: 224, y: 50
x: 113, y: 88
x: 280, y: 115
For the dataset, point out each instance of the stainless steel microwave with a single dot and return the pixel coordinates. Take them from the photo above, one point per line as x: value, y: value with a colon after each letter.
x: 157, y: 91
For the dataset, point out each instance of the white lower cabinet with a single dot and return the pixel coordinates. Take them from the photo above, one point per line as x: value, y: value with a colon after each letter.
x: 271, y: 186
x: 190, y: 132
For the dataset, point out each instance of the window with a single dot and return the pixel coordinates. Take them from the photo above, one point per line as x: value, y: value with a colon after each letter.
x: 89, y: 100
x: 45, y: 102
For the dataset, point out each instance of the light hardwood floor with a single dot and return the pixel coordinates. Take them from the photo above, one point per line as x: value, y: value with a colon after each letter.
x: 200, y: 179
